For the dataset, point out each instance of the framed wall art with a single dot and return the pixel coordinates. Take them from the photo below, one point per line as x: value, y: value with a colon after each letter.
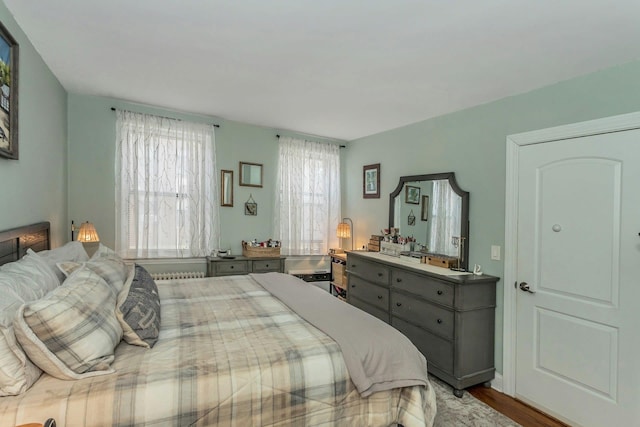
x: 251, y: 207
x: 411, y: 219
x: 226, y: 184
x: 371, y: 181
x: 412, y: 195
x: 425, y: 208
x: 250, y: 174
x: 8, y: 95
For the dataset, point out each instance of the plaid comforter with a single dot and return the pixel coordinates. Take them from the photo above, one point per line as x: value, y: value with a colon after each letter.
x: 229, y: 354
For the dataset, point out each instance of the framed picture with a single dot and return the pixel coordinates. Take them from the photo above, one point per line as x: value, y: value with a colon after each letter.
x: 371, y: 181
x: 412, y: 195
x: 425, y: 208
x: 226, y: 184
x: 250, y: 174
x: 251, y: 207
x: 411, y: 219
x: 8, y: 95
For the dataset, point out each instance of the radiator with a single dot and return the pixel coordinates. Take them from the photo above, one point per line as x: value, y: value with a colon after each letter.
x: 178, y: 275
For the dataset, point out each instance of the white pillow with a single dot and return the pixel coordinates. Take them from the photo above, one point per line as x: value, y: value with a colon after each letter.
x: 22, y: 281
x: 106, y: 263
x: 72, y: 332
x: 72, y: 251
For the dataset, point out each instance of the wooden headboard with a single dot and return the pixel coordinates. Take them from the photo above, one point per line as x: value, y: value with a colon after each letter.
x: 15, y: 242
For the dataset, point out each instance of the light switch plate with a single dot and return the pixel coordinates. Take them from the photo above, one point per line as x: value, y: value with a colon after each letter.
x: 495, y: 253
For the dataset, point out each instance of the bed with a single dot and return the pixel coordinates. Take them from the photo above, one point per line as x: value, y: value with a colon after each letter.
x: 243, y: 351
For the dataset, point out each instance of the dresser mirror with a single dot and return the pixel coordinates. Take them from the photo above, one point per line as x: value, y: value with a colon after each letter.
x: 442, y: 225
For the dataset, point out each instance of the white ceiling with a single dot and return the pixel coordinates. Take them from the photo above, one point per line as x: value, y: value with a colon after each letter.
x: 336, y: 68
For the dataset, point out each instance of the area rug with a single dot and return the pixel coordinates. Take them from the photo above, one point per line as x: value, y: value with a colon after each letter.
x: 466, y: 411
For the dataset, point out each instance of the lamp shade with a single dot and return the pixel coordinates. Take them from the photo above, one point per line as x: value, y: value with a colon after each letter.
x: 344, y: 230
x: 88, y: 233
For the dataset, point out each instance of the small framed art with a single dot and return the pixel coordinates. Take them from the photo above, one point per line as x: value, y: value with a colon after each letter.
x: 425, y: 208
x: 251, y: 207
x: 8, y: 95
x: 371, y: 181
x: 412, y: 195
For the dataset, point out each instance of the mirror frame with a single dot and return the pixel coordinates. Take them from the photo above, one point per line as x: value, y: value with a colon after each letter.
x: 226, y: 175
x: 451, y: 177
x: 242, y: 177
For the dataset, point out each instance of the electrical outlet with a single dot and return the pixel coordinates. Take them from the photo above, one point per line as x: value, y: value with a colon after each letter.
x: 495, y: 253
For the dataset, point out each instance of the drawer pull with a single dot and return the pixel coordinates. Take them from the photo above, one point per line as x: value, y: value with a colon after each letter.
x: 379, y: 296
x: 439, y: 321
x: 266, y: 265
x: 398, y: 280
x: 231, y: 267
x: 353, y: 286
x: 379, y: 274
x: 439, y: 292
x: 399, y: 304
x: 353, y: 266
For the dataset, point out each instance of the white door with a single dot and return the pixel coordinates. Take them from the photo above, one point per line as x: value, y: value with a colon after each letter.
x: 578, y: 243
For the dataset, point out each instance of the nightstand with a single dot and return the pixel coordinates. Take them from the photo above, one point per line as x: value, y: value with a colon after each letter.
x: 242, y: 265
x: 339, y: 275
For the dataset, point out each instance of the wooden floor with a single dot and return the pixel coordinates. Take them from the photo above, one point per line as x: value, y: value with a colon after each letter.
x: 516, y: 410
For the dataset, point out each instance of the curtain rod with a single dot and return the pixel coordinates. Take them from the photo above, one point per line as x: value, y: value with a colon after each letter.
x: 164, y: 117
x: 341, y: 146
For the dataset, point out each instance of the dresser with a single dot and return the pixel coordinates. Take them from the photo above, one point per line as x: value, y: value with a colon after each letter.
x: 449, y: 316
x: 243, y: 265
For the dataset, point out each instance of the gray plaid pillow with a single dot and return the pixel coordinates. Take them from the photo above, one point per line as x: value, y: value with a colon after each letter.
x: 111, y: 269
x: 71, y: 333
x: 138, y: 309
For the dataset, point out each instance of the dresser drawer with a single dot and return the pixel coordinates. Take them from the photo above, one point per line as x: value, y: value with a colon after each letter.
x: 377, y: 296
x: 263, y: 266
x: 374, y: 311
x: 231, y: 267
x: 371, y: 271
x: 437, y: 350
x: 429, y: 316
x: 426, y: 287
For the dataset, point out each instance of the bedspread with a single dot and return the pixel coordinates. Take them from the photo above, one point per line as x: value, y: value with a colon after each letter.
x: 229, y: 354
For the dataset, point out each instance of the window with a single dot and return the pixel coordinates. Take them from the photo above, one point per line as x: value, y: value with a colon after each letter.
x: 166, y: 187
x: 307, y: 202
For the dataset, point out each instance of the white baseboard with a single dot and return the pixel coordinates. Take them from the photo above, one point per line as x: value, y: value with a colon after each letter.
x: 496, y: 383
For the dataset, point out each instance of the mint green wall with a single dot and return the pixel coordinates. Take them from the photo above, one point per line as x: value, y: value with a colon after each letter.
x: 34, y: 187
x: 472, y: 144
x: 92, y: 136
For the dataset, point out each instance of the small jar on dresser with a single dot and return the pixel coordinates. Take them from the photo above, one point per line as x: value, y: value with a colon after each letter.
x: 448, y: 315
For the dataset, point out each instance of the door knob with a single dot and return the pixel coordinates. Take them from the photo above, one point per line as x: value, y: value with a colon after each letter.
x: 524, y: 286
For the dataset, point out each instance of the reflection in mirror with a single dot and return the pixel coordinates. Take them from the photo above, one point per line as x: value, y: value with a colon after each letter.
x: 250, y: 174
x: 443, y: 227
x: 226, y: 185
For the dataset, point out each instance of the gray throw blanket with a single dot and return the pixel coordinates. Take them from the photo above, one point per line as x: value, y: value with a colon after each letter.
x: 377, y: 356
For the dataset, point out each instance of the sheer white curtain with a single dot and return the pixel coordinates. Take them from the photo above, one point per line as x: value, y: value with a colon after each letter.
x: 166, y: 187
x: 307, y: 201
x: 446, y: 208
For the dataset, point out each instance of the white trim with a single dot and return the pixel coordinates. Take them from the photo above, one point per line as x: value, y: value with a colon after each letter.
x: 576, y: 130
x: 514, y: 143
x: 497, y: 383
x: 510, y: 269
